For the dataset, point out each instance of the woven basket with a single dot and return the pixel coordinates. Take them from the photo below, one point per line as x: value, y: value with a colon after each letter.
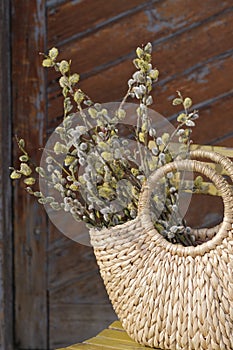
x: 167, y: 295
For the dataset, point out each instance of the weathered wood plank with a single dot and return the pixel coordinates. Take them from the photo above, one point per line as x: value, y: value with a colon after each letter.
x: 52, y: 3
x: 105, y: 87
x: 153, y: 25
x: 6, y: 246
x: 28, y: 38
x: 226, y: 140
x: 109, y: 84
x: 74, y: 19
x: 215, y: 121
x: 216, y: 71
x: 204, y: 211
x: 84, y: 288
x: 77, y: 322
x: 80, y: 266
x: 202, y: 94
x: 163, y: 94
x: 73, y: 279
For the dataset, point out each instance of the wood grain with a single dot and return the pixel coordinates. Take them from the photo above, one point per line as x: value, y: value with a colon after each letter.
x: 74, y: 280
x: 6, y: 246
x: 78, y: 260
x: 155, y: 25
x: 30, y: 268
x: 217, y: 116
x: 213, y: 100
x: 199, y: 213
x: 65, y: 319
x: 209, y: 42
x: 74, y: 19
x: 217, y: 70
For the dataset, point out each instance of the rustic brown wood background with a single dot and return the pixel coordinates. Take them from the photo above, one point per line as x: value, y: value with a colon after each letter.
x: 6, y: 246
x: 59, y: 297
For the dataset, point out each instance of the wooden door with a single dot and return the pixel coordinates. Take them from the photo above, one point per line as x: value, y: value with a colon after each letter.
x: 59, y: 298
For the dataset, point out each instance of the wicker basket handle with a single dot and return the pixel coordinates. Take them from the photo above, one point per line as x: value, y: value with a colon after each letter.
x: 188, y: 165
x: 225, y: 162
x: 222, y: 186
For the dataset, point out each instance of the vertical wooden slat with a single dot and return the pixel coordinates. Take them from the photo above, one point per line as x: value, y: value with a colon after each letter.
x: 30, y: 237
x: 6, y: 278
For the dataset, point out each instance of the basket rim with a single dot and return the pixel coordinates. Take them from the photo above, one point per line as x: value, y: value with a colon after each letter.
x: 104, y: 240
x: 221, y: 184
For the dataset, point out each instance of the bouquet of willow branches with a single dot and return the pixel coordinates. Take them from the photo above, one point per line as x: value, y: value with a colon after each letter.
x: 91, y: 165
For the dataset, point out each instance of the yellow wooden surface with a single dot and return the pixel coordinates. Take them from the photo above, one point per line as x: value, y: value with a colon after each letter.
x: 112, y: 338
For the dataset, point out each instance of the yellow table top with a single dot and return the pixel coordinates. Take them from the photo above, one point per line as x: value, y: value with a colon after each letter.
x: 112, y: 338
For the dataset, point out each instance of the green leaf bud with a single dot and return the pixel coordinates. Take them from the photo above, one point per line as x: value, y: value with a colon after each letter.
x: 165, y: 137
x: 79, y: 96
x: 25, y: 169
x: 182, y: 118
x: 42, y: 200
x: 40, y: 171
x: 67, y: 104
x: 198, y: 181
x: 47, y: 62
x: 107, y: 156
x: 29, y: 181
x: 23, y: 158
x: 21, y: 143
x: 60, y: 148
x: 15, y: 175
x: 148, y: 48
x: 141, y: 137
x: 69, y: 160
x: 63, y: 81
x: 139, y: 52
x: 177, y: 101
x: 121, y: 113
x: 64, y: 67
x: 37, y: 194
x: 147, y: 57
x: 154, y: 74
x: 29, y: 190
x: 106, y: 191
x: 74, y: 79
x: 53, y: 53
x: 187, y: 102
x: 73, y: 187
x: 92, y: 112
x: 55, y: 205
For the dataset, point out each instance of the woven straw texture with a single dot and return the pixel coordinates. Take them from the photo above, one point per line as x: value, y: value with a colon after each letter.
x: 167, y: 295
